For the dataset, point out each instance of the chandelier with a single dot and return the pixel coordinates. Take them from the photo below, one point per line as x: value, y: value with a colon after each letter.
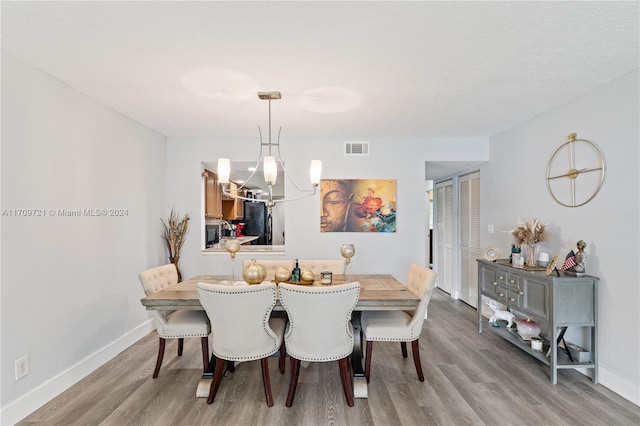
x: 270, y: 167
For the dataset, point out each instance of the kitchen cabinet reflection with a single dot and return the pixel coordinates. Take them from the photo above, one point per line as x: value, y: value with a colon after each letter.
x: 226, y: 215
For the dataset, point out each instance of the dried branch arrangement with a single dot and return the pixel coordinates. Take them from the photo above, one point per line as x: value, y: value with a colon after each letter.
x: 176, y: 228
x: 528, y: 233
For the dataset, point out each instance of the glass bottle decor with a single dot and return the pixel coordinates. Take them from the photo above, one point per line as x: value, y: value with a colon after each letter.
x: 295, y: 273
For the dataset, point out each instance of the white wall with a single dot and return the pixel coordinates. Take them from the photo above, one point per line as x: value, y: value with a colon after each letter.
x: 375, y: 253
x: 70, y: 293
x: 513, y: 185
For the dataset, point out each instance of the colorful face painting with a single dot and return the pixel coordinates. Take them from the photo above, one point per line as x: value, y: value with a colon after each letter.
x: 358, y: 205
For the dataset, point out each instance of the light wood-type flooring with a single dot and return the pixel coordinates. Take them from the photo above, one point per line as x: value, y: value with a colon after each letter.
x: 469, y: 379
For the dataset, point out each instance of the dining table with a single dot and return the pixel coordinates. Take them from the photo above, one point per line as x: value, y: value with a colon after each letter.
x: 378, y: 292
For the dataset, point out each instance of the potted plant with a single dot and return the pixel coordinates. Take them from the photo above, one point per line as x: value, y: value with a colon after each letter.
x: 176, y: 228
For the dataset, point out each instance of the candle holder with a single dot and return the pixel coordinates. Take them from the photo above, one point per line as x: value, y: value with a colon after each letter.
x: 347, y: 251
x: 232, y: 246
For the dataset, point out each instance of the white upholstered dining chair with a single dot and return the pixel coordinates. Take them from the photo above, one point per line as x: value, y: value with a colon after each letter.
x: 242, y: 328
x: 174, y: 324
x: 399, y: 326
x: 319, y: 329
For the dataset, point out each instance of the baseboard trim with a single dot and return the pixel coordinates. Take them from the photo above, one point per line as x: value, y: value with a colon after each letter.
x: 36, y: 398
x: 620, y: 385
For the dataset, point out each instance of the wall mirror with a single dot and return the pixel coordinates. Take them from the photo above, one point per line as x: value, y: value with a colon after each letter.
x: 252, y: 217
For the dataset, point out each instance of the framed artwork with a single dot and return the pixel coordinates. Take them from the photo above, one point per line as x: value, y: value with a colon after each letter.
x: 358, y: 205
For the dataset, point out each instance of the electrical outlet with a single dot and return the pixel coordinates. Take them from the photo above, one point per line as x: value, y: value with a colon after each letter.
x: 22, y: 367
x: 490, y: 229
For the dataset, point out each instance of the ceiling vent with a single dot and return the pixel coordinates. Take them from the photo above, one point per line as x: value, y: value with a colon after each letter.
x: 356, y: 148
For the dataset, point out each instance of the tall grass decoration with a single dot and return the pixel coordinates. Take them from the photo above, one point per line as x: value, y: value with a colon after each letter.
x: 175, y: 231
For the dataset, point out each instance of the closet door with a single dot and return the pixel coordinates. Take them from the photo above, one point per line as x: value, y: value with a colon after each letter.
x: 469, y: 241
x: 445, y: 242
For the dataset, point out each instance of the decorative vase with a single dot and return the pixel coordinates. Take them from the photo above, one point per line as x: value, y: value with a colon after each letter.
x: 514, y: 250
x: 175, y: 260
x: 282, y: 274
x: 307, y: 276
x: 254, y: 273
x: 347, y: 251
x: 528, y: 328
x: 532, y: 255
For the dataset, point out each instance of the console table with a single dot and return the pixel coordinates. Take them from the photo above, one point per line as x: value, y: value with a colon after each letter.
x: 555, y: 302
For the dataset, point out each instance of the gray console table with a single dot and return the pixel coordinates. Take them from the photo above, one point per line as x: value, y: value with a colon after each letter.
x: 555, y: 302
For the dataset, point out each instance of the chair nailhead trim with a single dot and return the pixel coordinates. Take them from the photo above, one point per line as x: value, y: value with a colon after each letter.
x: 265, y: 321
x: 291, y: 325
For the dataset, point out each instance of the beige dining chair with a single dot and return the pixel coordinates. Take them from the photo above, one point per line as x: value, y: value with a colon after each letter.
x: 174, y: 324
x: 243, y: 329
x: 319, y: 329
x: 399, y: 326
x: 336, y: 267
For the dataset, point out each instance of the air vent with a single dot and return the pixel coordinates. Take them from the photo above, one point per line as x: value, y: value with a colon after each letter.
x: 356, y: 148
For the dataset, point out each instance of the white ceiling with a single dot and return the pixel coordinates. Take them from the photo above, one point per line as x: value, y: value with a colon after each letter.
x: 345, y: 69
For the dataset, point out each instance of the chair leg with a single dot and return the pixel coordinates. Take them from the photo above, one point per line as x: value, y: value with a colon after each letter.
x: 367, y: 360
x: 180, y: 346
x: 204, y: 341
x: 403, y: 346
x: 295, y: 371
x: 231, y: 366
x: 160, y: 356
x: 346, y: 380
x: 215, y: 383
x: 264, y: 363
x: 283, y: 358
x: 416, y: 359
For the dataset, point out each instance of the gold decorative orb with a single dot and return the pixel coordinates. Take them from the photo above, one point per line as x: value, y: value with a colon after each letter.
x: 232, y: 246
x: 347, y: 251
x: 307, y: 276
x: 254, y: 273
x: 282, y: 274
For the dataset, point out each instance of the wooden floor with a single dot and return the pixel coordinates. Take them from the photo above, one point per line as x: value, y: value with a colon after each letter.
x: 469, y: 379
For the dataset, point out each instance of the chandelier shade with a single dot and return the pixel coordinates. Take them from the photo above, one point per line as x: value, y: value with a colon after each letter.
x: 270, y: 167
x: 315, y: 172
x: 224, y: 170
x: 270, y: 170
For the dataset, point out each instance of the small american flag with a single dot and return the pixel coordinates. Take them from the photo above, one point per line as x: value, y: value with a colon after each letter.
x: 569, y: 261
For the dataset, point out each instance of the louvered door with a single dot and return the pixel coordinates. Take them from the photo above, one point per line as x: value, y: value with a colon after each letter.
x: 444, y: 235
x: 469, y: 236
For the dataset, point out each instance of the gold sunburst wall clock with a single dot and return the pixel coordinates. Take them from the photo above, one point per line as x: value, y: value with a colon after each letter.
x: 575, y: 172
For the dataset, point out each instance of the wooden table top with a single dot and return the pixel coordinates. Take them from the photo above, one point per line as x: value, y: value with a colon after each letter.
x: 377, y: 292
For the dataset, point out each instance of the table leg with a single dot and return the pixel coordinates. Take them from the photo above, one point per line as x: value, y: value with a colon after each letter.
x: 360, y: 389
x: 553, y: 362
x: 202, y: 391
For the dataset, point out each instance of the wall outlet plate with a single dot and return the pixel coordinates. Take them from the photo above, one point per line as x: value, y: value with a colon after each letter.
x: 22, y: 367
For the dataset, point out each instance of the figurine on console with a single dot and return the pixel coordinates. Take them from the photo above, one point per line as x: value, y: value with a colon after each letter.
x: 499, y: 314
x: 578, y: 270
